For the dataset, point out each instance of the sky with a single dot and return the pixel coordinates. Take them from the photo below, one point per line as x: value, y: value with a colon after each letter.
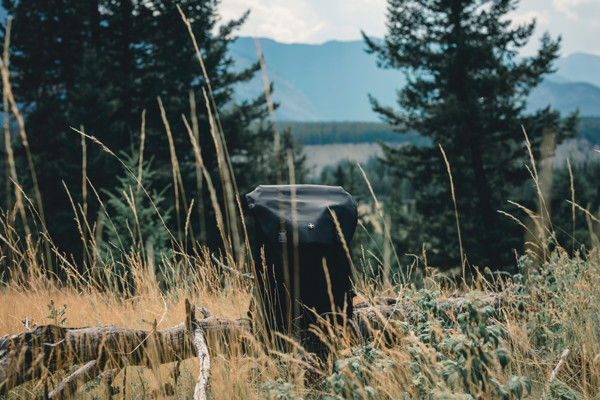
x: 318, y: 21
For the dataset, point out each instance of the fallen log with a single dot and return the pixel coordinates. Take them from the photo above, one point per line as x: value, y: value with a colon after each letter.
x: 47, y: 349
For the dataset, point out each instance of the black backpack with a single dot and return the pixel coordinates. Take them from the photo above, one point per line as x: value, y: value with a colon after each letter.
x: 317, y: 239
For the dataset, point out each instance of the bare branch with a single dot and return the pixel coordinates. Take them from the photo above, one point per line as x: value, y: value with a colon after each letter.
x: 561, y: 362
x: 232, y: 270
x: 204, y: 360
x: 70, y: 384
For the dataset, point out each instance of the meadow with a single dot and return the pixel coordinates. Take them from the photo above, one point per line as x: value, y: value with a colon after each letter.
x: 444, y: 339
x: 474, y: 335
x: 511, y: 350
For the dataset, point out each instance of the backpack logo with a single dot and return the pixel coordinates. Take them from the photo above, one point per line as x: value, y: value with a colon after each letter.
x: 311, y: 226
x: 282, y: 237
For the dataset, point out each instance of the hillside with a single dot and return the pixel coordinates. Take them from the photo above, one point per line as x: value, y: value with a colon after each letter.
x: 567, y: 97
x: 332, y: 81
x: 334, y: 78
x: 322, y: 133
x: 579, y: 67
x: 328, y: 143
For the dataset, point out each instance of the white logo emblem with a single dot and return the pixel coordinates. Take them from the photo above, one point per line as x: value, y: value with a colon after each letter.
x: 311, y: 225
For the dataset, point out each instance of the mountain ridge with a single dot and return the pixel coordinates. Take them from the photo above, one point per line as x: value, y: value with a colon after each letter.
x: 331, y: 81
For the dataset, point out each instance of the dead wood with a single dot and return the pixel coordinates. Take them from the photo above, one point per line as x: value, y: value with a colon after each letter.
x: 561, y: 362
x: 47, y: 349
x: 204, y: 361
x: 231, y: 270
x: 70, y: 384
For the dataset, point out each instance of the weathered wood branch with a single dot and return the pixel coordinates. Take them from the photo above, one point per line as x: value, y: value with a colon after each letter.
x: 48, y: 349
x: 204, y: 360
x: 232, y: 270
x: 561, y: 362
x: 70, y: 384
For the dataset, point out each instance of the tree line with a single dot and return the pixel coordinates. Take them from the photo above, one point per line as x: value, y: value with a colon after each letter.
x: 332, y: 132
x: 125, y: 72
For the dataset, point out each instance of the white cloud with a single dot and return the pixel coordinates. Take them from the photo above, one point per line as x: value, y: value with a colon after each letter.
x: 542, y: 18
x: 282, y: 20
x: 567, y: 7
x: 308, y: 21
x: 317, y: 21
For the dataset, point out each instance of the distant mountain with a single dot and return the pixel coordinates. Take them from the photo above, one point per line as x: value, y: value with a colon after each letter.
x: 566, y: 97
x: 579, y: 67
x: 331, y: 81
x: 334, y: 78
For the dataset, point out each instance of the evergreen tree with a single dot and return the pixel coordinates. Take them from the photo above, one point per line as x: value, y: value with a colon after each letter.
x: 573, y: 231
x: 134, y: 227
x: 466, y: 91
x: 47, y: 51
x: 269, y: 169
x: 99, y: 64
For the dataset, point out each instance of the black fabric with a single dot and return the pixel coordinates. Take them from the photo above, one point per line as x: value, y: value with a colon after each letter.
x: 318, y: 239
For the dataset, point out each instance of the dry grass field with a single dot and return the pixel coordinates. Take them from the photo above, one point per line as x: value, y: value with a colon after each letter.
x: 429, y: 353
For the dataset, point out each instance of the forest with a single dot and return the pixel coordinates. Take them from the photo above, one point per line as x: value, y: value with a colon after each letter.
x: 310, y: 133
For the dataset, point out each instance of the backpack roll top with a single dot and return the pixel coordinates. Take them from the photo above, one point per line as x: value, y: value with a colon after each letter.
x: 272, y: 204
x: 318, y: 239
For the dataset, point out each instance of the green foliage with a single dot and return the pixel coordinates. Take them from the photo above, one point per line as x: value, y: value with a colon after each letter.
x: 469, y: 362
x: 557, y: 317
x: 466, y: 91
x: 441, y: 359
x: 589, y: 128
x: 463, y: 360
x: 347, y: 174
x: 259, y: 165
x: 135, y: 227
x: 559, y: 306
x: 352, y: 374
x: 560, y: 391
x: 57, y: 315
x: 278, y: 390
x: 574, y: 231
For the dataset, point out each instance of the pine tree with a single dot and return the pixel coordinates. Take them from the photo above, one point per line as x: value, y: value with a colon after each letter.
x: 52, y: 68
x: 466, y: 90
x: 574, y: 231
x: 135, y: 228
x: 99, y: 64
